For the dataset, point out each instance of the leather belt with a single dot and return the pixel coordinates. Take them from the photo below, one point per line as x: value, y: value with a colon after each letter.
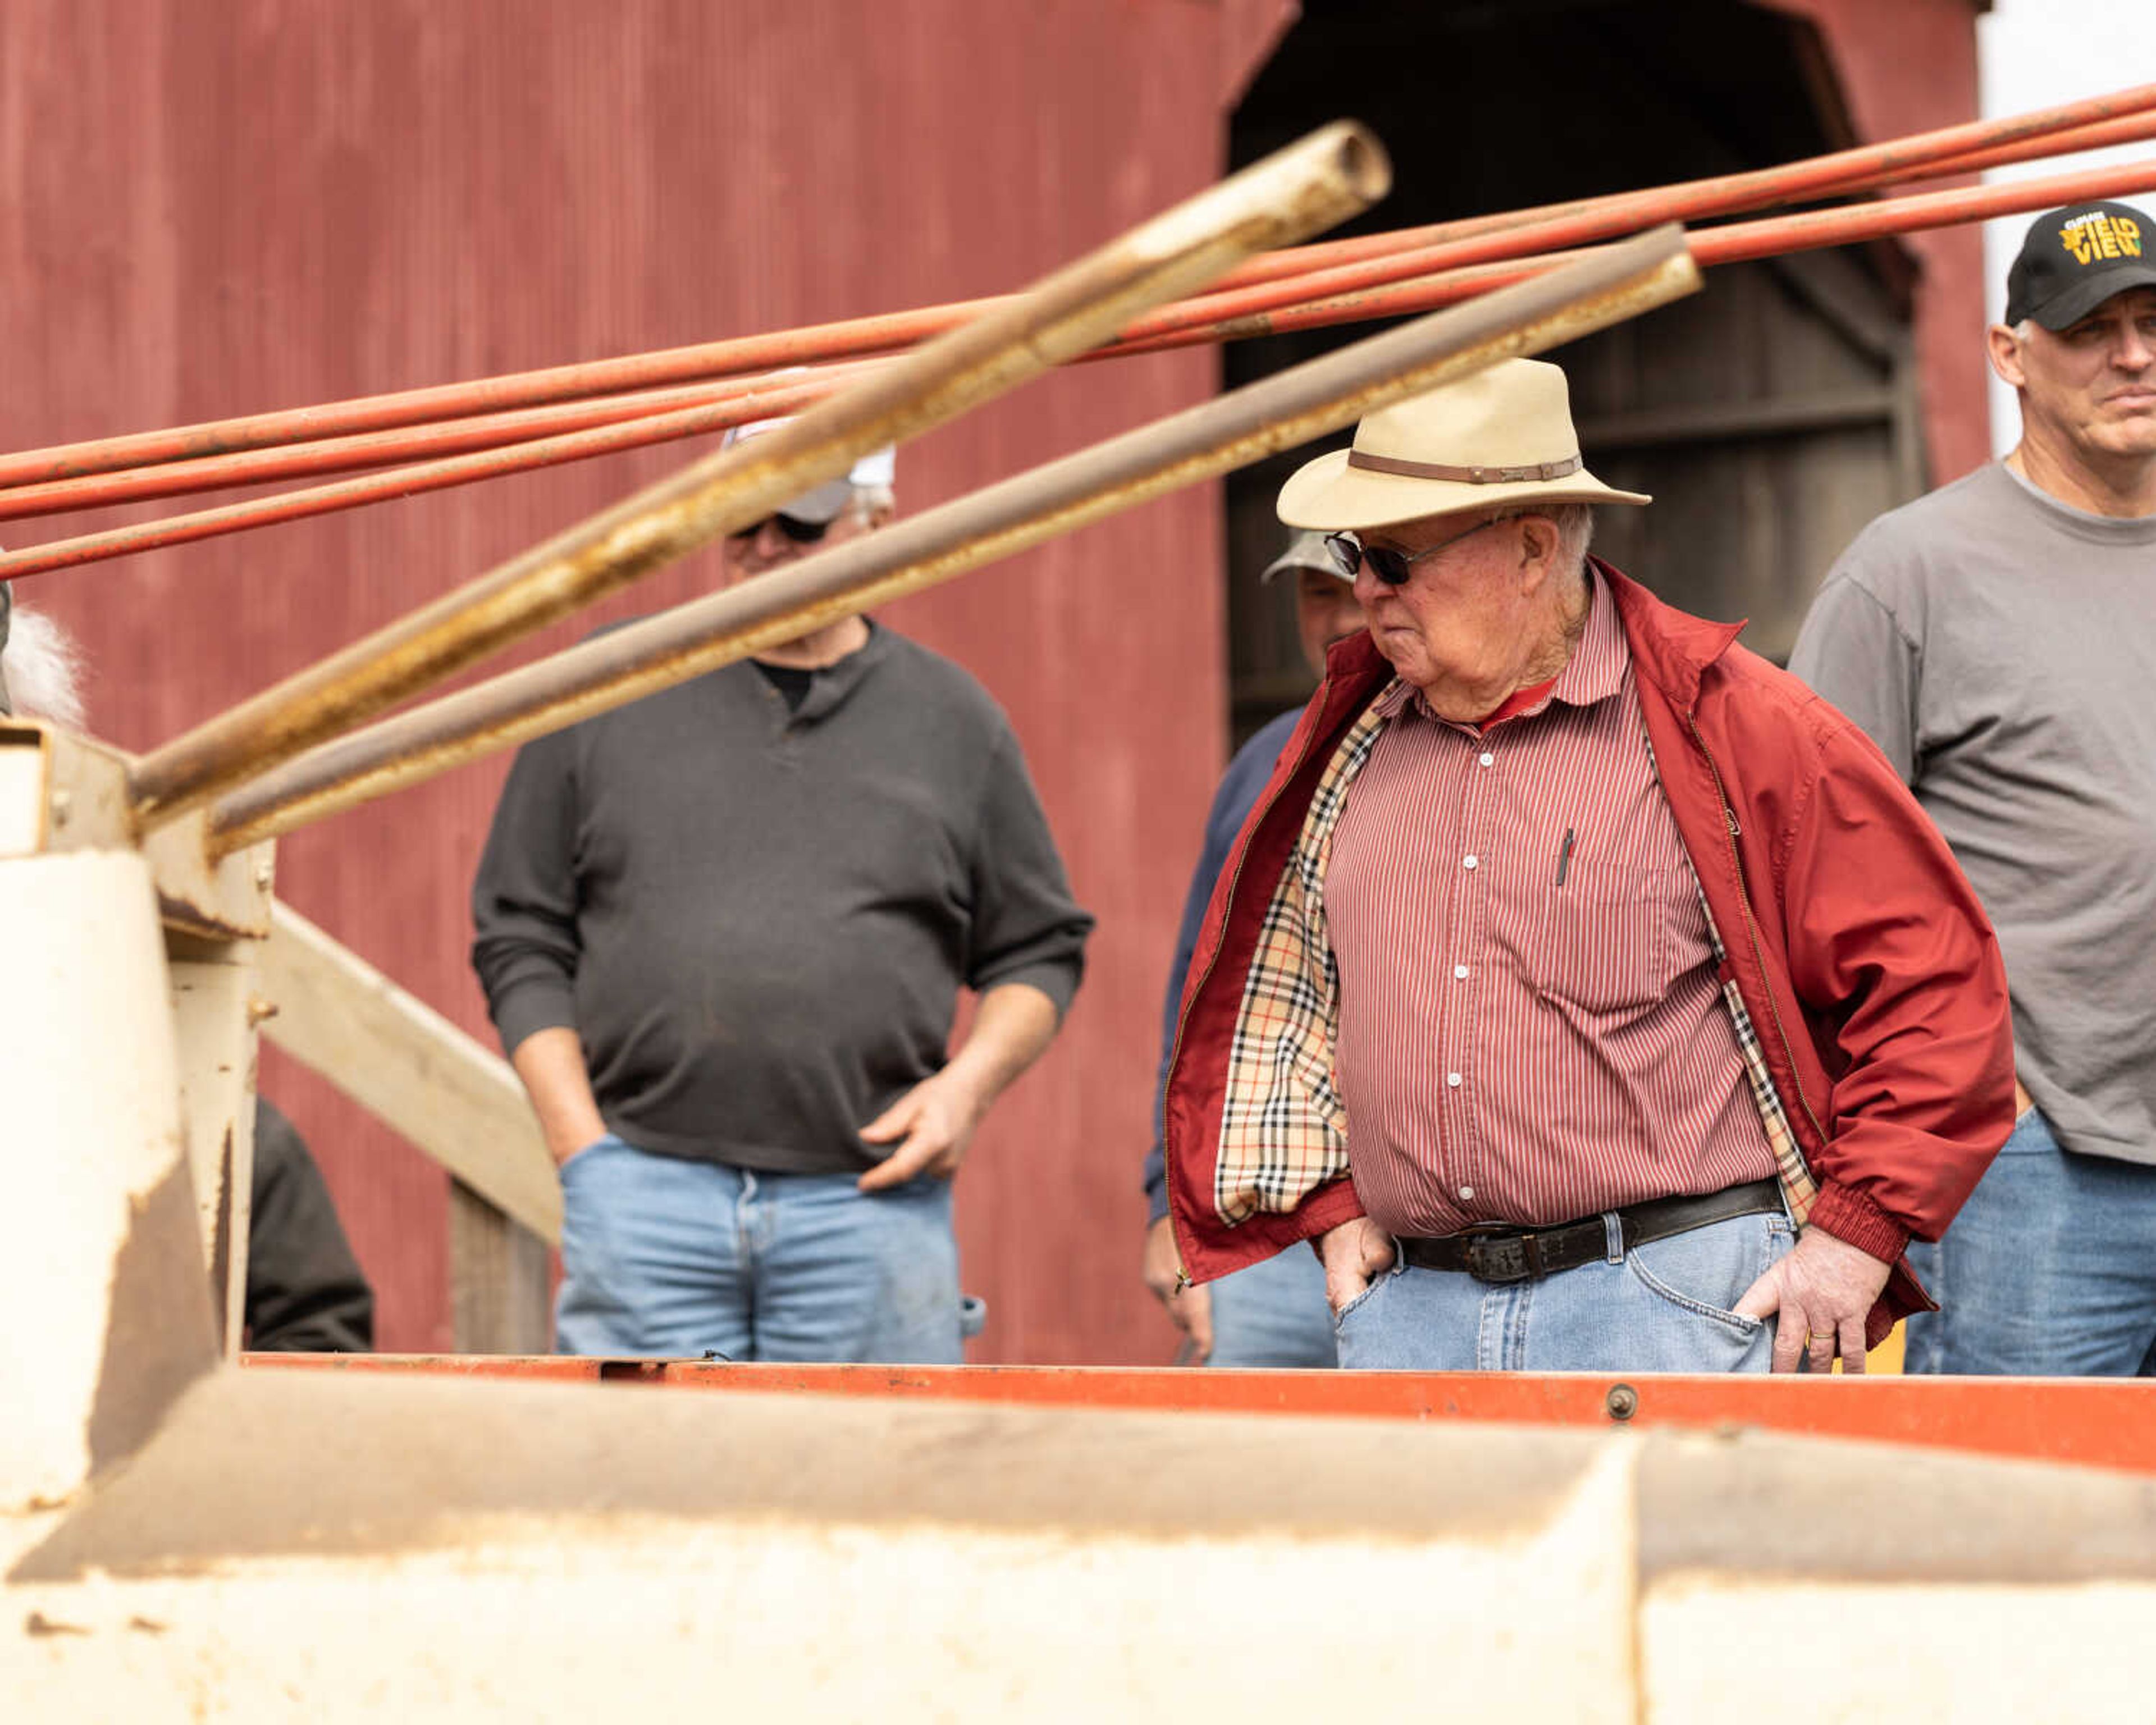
x: 1508, y: 1255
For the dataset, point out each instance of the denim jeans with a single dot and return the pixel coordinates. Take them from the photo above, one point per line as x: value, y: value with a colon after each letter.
x: 1663, y: 1306
x: 1274, y: 1314
x: 669, y: 1258
x: 2049, y: 1271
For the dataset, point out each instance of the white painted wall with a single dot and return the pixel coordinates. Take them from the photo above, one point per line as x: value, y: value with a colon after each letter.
x: 2031, y: 53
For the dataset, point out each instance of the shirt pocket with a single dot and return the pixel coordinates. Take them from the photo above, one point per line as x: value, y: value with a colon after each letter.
x: 1603, y: 942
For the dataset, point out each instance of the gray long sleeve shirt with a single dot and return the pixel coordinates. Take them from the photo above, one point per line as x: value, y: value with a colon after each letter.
x: 757, y: 921
x: 1999, y: 647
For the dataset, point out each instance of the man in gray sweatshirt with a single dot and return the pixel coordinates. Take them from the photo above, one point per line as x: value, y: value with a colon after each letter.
x: 1998, y: 640
x: 723, y: 933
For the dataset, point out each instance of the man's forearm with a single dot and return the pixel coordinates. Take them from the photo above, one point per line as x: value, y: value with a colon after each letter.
x: 550, y: 1062
x: 1013, y: 1026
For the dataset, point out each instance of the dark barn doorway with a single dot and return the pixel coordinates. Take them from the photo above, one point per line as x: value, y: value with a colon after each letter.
x: 1771, y: 416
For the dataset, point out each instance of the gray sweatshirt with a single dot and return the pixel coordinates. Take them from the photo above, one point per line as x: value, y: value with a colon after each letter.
x: 757, y: 921
x: 2000, y: 647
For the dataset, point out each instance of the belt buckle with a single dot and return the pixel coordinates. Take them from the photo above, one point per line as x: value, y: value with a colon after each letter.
x: 1503, y: 1258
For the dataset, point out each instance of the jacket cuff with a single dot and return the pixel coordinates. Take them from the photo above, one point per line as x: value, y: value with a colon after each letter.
x: 1333, y: 1205
x: 1852, y: 1218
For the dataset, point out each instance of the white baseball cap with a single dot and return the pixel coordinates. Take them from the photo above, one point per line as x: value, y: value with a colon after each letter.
x: 879, y: 467
x: 1305, y: 550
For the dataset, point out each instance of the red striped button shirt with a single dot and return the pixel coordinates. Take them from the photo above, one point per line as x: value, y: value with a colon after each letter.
x: 1531, y: 1029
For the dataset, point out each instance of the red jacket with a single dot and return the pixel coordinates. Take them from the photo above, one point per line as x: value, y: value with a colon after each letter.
x: 1867, y: 964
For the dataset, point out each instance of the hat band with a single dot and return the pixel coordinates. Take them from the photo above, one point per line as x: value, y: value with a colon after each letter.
x: 1465, y: 475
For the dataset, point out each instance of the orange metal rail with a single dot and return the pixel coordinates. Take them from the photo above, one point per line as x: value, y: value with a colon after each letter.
x: 2092, y: 1422
x: 1952, y: 149
x: 1736, y: 242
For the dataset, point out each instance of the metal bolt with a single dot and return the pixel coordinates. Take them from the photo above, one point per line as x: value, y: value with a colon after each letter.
x: 258, y: 1010
x: 1624, y: 1401
x: 63, y: 804
x: 264, y: 875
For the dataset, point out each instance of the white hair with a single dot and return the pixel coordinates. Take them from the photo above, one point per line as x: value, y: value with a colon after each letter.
x: 1575, y: 529
x: 44, y: 669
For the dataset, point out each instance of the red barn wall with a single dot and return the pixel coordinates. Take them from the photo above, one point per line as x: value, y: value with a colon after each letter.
x: 206, y: 211
x: 1910, y: 66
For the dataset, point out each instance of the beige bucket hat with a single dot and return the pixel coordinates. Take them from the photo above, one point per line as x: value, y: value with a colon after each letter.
x: 1502, y: 436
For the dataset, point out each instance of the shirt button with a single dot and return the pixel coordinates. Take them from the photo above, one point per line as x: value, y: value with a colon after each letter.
x: 1467, y: 1193
x: 1460, y: 972
x: 1486, y: 759
x: 1467, y: 862
x: 1452, y: 1080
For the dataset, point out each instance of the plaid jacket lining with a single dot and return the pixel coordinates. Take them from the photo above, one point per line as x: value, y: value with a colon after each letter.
x: 1283, y: 1125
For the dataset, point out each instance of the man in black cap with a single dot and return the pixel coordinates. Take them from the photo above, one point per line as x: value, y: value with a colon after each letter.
x: 1997, y: 639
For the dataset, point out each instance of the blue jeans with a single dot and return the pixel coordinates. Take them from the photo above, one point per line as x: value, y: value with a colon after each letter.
x: 2049, y: 1270
x: 667, y: 1258
x: 1274, y: 1314
x: 1663, y: 1306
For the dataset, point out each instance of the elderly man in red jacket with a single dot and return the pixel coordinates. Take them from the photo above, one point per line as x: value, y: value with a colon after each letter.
x: 1592, y: 994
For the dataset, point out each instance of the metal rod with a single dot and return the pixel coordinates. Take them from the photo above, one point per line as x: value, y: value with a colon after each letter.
x: 637, y: 432
x: 1842, y: 172
x: 2125, y: 117
x: 431, y: 440
x: 1334, y: 172
x: 1290, y: 277
x: 1284, y: 410
x: 1735, y: 241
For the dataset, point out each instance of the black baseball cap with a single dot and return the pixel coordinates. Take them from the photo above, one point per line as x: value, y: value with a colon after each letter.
x: 2075, y: 258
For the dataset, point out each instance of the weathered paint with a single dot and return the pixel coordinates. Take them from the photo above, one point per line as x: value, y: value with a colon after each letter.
x: 209, y: 212
x: 102, y: 1261
x: 2089, y: 1422
x: 432, y: 1549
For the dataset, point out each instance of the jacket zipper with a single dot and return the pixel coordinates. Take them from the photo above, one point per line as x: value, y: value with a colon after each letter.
x: 1752, y: 927
x: 1175, y: 1049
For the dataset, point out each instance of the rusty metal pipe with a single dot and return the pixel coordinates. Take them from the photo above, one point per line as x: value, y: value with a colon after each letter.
x: 2127, y: 117
x: 1734, y: 242
x: 1279, y: 413
x: 1333, y: 172
x: 635, y: 431
x: 1338, y: 266
x: 433, y: 440
x: 1817, y: 176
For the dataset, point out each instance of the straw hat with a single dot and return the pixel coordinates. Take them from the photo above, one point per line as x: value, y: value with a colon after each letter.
x: 1501, y: 436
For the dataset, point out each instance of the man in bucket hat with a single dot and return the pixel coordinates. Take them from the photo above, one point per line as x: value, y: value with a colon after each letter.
x: 1996, y: 638
x: 1576, y: 960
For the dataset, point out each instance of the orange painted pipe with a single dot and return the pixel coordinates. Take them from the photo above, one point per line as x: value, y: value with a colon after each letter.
x: 1844, y: 174
x: 411, y: 481
x: 382, y: 449
x: 1735, y: 243
x: 1596, y: 217
x: 1279, y: 279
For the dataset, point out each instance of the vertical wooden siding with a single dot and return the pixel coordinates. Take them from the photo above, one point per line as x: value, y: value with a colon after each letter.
x: 1910, y: 66
x: 206, y: 210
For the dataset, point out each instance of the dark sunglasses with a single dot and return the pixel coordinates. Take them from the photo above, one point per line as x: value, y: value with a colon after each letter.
x: 1391, y: 566
x: 799, y: 531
